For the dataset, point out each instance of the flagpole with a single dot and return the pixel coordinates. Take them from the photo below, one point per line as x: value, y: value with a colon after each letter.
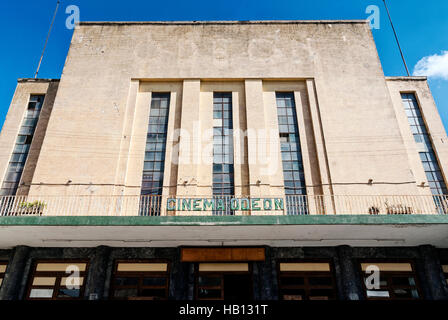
x: 46, y: 41
x: 396, y: 38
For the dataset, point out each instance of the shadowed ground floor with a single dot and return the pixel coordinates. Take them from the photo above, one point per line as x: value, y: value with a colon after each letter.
x: 229, y: 273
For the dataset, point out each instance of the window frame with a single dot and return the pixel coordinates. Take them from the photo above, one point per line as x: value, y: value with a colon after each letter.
x: 290, y: 156
x: 156, y: 146
x: 223, y: 180
x: 140, y: 275
x: 226, y: 146
x: 390, y: 286
x: 58, y: 275
x: 292, y: 164
x: 306, y: 275
x: 154, y: 157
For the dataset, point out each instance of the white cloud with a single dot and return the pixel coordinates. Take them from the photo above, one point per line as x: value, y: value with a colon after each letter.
x: 435, y: 66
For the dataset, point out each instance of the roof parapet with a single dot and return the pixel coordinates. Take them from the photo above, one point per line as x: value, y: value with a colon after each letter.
x: 223, y: 22
x: 401, y: 78
x: 22, y: 80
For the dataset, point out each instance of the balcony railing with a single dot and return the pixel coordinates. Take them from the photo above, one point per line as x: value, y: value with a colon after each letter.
x: 220, y: 206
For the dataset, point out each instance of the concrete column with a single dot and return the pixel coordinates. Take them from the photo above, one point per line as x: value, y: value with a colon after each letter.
x: 349, y: 279
x: 96, y: 276
x: 181, y: 279
x: 189, y: 151
x: 190, y: 281
x: 321, y: 150
x: 125, y: 144
x: 10, y: 289
x: 265, y: 278
x: 434, y: 279
x: 264, y: 156
x: 137, y: 124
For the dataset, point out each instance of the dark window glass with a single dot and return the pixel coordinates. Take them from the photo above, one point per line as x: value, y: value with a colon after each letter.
x: 209, y: 293
x: 69, y: 293
x: 307, y: 285
x: 135, y: 284
x: 22, y: 146
x: 154, y: 165
x: 230, y: 286
x: 154, y: 281
x: 320, y: 281
x: 126, y: 281
x: 292, y: 281
x: 125, y: 293
x: 156, y: 293
x: 209, y: 281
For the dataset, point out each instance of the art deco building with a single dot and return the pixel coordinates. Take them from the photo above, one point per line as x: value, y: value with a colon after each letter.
x: 223, y: 160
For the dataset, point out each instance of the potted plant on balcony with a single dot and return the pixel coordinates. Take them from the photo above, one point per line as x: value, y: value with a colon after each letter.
x: 32, y: 208
x: 374, y: 210
x: 398, y: 209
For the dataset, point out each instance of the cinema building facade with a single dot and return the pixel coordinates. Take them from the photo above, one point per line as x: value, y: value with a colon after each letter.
x: 223, y: 160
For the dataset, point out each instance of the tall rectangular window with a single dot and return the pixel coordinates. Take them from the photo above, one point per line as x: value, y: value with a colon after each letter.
x: 293, y: 172
x: 22, y: 146
x: 223, y: 178
x: 426, y: 151
x: 154, y: 165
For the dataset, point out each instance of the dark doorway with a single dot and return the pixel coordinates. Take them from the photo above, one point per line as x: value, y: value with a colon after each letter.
x: 224, y: 285
x: 237, y: 287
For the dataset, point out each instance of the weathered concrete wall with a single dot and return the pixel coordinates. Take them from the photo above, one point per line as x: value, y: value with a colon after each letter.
x: 359, y: 137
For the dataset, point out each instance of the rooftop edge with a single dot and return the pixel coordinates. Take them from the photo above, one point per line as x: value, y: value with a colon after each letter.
x: 401, y: 78
x: 223, y: 22
x: 36, y: 80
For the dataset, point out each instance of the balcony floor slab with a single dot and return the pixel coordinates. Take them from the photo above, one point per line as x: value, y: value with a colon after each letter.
x: 277, y: 231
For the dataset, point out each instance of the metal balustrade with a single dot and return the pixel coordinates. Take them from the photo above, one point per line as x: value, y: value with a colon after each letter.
x: 221, y: 205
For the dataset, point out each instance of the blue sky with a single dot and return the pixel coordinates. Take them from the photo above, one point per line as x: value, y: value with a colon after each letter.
x: 422, y: 27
